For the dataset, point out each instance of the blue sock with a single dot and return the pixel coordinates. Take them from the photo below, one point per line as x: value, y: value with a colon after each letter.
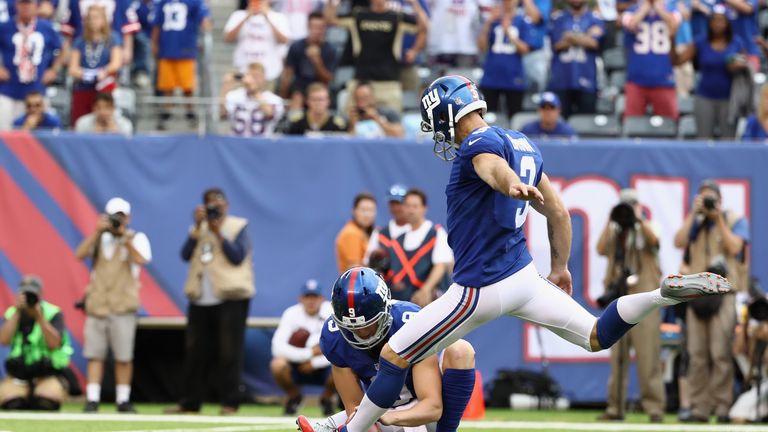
x: 385, y: 389
x: 611, y: 327
x: 457, y: 390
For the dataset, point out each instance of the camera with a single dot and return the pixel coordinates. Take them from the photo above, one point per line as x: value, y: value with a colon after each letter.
x: 709, y: 202
x: 361, y: 112
x: 115, y: 221
x: 212, y: 212
x: 624, y: 215
x: 31, y: 298
x: 758, y: 303
x: 617, y: 288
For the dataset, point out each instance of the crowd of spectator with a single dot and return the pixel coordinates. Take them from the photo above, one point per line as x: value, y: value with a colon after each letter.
x: 624, y: 59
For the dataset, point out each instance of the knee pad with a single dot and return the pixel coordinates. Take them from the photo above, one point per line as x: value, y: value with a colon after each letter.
x: 15, y: 404
x: 45, y: 404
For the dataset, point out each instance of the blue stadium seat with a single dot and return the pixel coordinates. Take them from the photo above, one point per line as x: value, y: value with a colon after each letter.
x: 595, y: 126
x: 650, y: 127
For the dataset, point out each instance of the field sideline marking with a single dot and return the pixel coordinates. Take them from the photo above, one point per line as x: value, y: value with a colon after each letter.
x: 265, y: 423
x: 204, y: 429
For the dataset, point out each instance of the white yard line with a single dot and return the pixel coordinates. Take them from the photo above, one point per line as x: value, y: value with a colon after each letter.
x: 245, y: 424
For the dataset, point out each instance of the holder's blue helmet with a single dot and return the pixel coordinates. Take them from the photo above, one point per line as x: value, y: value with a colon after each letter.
x: 360, y: 298
x: 443, y: 104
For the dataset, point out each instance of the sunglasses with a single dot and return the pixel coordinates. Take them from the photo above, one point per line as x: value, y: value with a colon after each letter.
x: 35, y: 105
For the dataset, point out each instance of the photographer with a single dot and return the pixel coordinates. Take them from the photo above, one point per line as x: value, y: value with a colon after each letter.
x: 714, y: 240
x: 112, y: 300
x: 219, y: 287
x: 369, y: 120
x: 39, y: 351
x: 750, y: 346
x: 631, y: 244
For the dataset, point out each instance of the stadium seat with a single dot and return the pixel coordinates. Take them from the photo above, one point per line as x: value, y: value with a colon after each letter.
x: 475, y: 74
x: 605, y: 105
x: 520, y: 119
x: 595, y: 126
x: 125, y: 101
x: 649, y: 127
x: 619, y: 104
x: 614, y: 59
x: 741, y: 127
x: 60, y: 101
x: 412, y: 125
x: 617, y: 79
x: 686, y: 128
x: 685, y: 105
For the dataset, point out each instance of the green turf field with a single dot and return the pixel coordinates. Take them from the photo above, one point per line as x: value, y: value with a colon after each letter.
x: 268, y: 419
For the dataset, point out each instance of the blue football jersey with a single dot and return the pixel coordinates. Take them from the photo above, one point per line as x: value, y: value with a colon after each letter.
x: 362, y: 362
x: 120, y: 12
x: 576, y: 67
x: 648, y: 48
x: 7, y: 10
x: 745, y: 26
x: 39, y: 47
x: 503, y: 68
x: 179, y: 21
x: 485, y: 227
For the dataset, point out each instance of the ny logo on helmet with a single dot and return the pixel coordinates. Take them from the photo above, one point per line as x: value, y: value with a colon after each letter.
x: 430, y: 101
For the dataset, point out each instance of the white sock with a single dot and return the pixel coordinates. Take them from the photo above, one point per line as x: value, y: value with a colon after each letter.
x: 633, y: 308
x: 122, y: 393
x: 337, y: 420
x: 93, y: 392
x: 366, y: 415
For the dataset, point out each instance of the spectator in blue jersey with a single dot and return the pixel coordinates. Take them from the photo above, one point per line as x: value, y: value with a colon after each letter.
x: 45, y: 9
x: 575, y: 33
x: 549, y: 123
x: 174, y: 45
x: 648, y: 27
x: 309, y: 60
x: 700, y: 12
x: 31, y: 59
x: 757, y: 124
x: 94, y: 63
x: 507, y: 37
x: 7, y: 10
x: 120, y: 13
x: 36, y: 117
x: 743, y: 16
x: 718, y: 55
x: 535, y: 62
x: 142, y: 43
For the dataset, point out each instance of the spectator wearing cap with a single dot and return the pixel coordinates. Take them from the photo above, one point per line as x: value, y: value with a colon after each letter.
x: 397, y: 226
x: 549, y: 122
x: 630, y: 242
x: 419, y: 257
x: 219, y: 287
x: 719, y: 55
x: 39, y: 351
x: 117, y: 254
x: 576, y: 33
x: 296, y: 356
x: 713, y: 239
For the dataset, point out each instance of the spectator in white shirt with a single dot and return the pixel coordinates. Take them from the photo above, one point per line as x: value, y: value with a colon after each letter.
x: 252, y: 109
x: 296, y: 356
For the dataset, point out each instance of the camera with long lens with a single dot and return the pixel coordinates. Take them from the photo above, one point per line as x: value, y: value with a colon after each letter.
x: 624, y: 215
x: 212, y: 212
x: 617, y: 288
x: 709, y: 202
x: 115, y: 221
x: 31, y: 298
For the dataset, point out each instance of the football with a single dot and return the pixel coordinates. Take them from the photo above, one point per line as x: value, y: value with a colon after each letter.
x: 299, y: 338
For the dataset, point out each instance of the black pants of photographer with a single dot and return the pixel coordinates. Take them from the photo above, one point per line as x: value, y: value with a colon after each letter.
x: 214, y: 353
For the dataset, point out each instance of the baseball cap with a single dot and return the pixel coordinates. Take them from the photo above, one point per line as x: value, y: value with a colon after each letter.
x: 711, y: 185
x: 549, y: 98
x: 31, y: 283
x: 396, y: 193
x: 311, y: 287
x: 118, y: 205
x: 628, y: 196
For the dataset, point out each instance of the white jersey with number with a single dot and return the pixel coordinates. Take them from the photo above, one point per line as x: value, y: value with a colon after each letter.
x: 460, y: 23
x: 246, y: 114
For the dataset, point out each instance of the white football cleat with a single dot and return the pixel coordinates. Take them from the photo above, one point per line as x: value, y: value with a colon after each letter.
x: 306, y: 426
x: 688, y: 287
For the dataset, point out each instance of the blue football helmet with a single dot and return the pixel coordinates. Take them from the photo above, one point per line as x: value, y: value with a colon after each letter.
x: 360, y: 298
x: 443, y: 104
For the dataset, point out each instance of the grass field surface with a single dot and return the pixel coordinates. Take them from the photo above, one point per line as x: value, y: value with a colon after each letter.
x: 268, y: 419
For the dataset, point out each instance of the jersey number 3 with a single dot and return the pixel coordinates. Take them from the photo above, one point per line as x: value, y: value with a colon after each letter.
x: 527, y: 170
